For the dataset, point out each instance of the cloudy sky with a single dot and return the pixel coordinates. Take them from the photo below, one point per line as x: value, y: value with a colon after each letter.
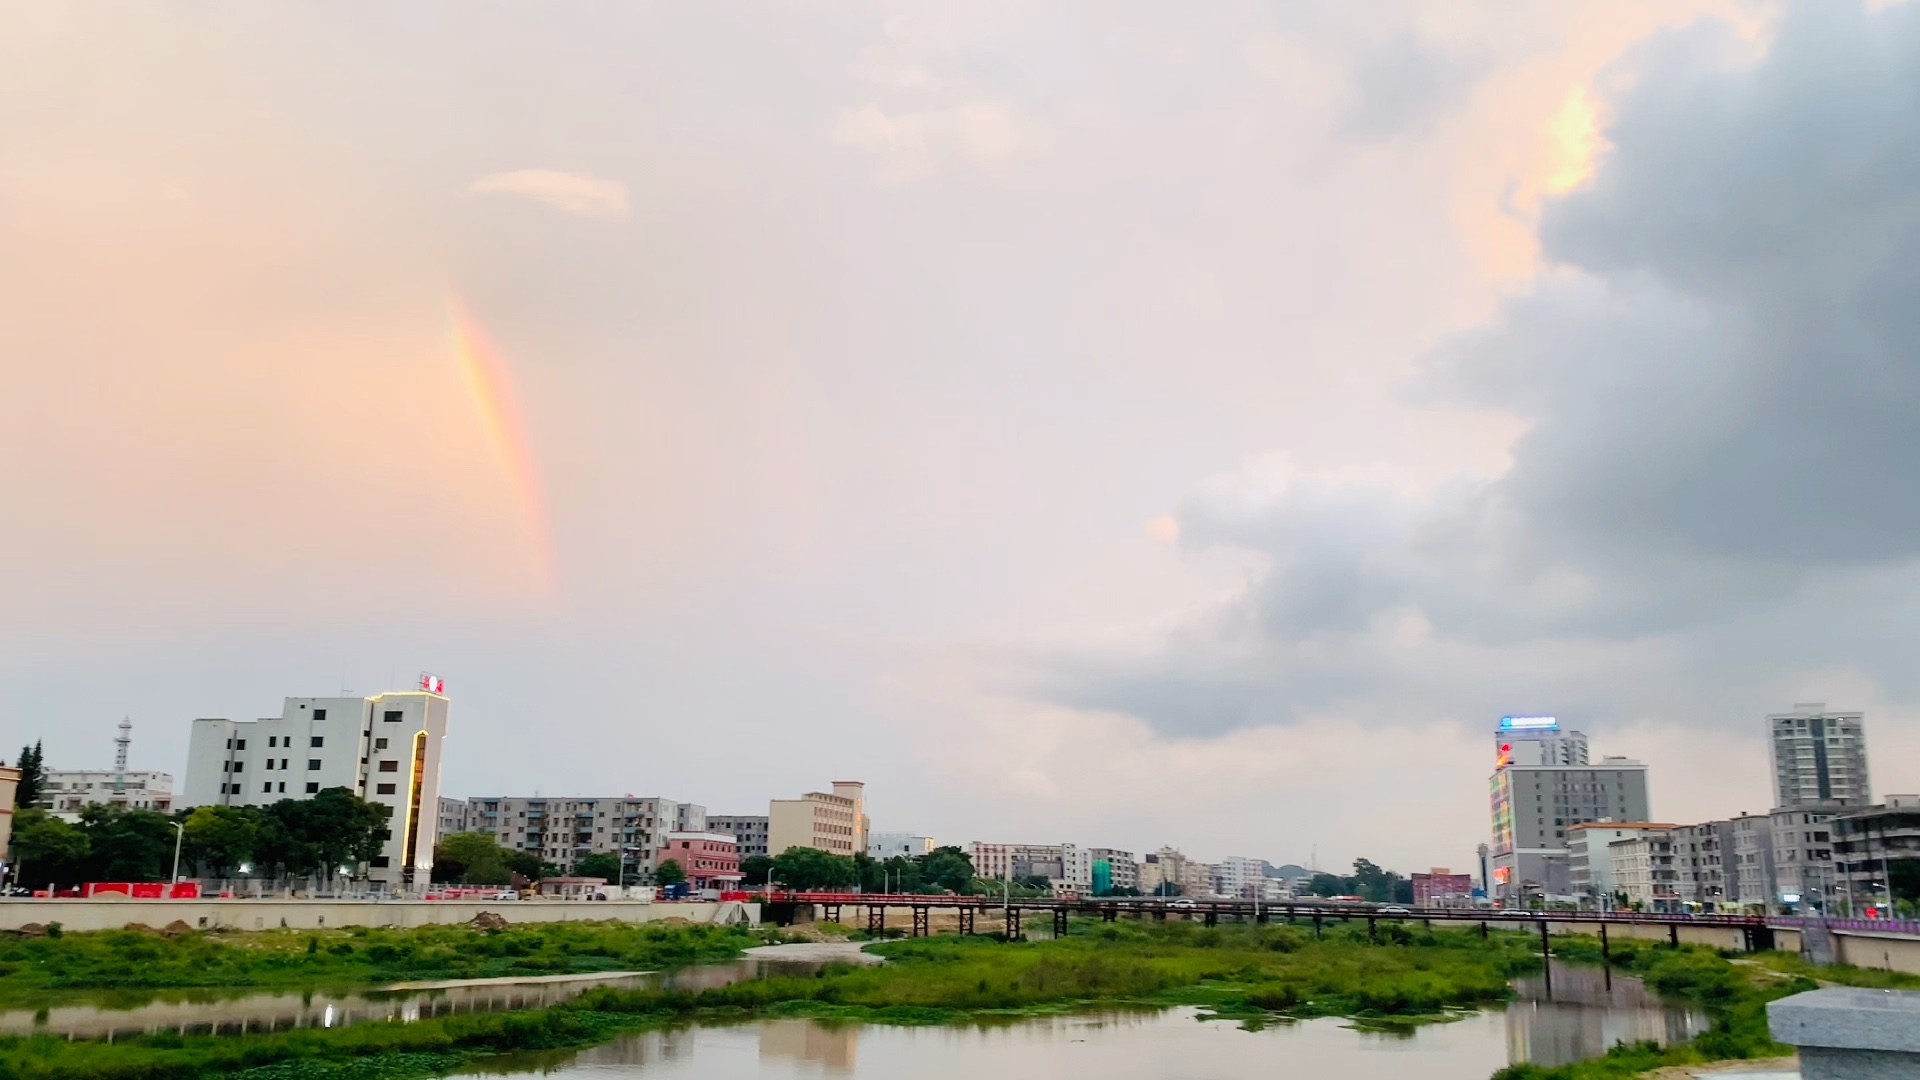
x: 1120, y: 422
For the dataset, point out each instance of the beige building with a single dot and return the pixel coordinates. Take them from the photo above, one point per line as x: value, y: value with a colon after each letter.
x: 1643, y: 869
x: 835, y: 823
x: 9, y: 780
x: 562, y: 831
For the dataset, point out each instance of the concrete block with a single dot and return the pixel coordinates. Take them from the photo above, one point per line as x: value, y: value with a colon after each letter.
x: 1848, y: 1033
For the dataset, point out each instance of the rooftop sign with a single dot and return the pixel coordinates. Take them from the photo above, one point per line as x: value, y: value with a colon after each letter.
x: 1529, y: 723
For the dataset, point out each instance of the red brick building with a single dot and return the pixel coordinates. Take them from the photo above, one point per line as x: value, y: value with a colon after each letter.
x: 711, y: 860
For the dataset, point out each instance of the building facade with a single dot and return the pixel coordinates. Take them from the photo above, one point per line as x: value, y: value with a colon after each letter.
x: 1532, y: 808
x: 1589, y: 861
x: 1867, y: 842
x: 70, y: 791
x: 1122, y: 870
x: 1701, y: 859
x: 1538, y: 740
x: 9, y: 786
x: 834, y: 822
x: 1804, y: 869
x: 1819, y: 757
x: 453, y: 816
x: 1066, y: 867
x: 1643, y: 871
x: 562, y: 831
x: 1240, y: 877
x: 898, y: 845
x: 1440, y: 887
x: 710, y: 860
x: 384, y: 748
x: 749, y: 832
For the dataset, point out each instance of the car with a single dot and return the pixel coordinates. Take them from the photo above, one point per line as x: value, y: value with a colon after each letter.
x: 1393, y: 909
x: 1182, y: 903
x: 505, y: 894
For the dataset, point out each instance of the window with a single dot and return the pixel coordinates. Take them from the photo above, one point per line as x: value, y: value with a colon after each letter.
x: 269, y: 764
x: 283, y: 763
x: 379, y: 862
x: 239, y: 766
x: 273, y: 740
x: 392, y: 716
x: 318, y: 741
x: 313, y: 764
x: 239, y: 744
x: 266, y: 788
x: 381, y: 744
x: 283, y: 787
x: 389, y: 766
x: 319, y: 714
x: 383, y: 789
x: 313, y: 789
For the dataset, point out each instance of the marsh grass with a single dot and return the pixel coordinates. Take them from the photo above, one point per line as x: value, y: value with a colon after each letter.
x: 35, y: 971
x: 1240, y: 971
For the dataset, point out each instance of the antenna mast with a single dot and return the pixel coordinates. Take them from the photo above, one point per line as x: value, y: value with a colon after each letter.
x: 120, y: 744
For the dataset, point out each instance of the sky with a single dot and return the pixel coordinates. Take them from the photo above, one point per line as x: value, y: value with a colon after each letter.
x: 1123, y: 423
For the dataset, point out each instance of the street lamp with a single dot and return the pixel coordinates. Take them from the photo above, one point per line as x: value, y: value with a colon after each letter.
x: 245, y: 869
x: 179, y: 834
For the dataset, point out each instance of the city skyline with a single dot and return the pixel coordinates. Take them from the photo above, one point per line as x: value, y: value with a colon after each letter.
x: 1163, y: 426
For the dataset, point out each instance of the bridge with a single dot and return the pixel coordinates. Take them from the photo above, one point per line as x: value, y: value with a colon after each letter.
x: 1755, y: 932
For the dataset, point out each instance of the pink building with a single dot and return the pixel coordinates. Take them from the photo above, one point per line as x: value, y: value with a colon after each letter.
x: 1438, y: 888
x: 711, y: 860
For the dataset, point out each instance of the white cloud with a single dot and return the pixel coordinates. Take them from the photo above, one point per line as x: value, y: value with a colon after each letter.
x: 574, y: 193
x: 913, y: 144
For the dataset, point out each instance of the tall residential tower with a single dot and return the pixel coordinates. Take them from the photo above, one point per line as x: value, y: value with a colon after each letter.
x: 1819, y: 757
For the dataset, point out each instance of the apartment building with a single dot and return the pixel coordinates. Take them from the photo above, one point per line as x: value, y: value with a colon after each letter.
x: 1122, y: 870
x: 563, y: 830
x: 834, y: 822
x: 1067, y: 867
x: 1240, y: 877
x: 1643, y: 871
x: 749, y: 831
x: 1867, y: 841
x: 1702, y: 860
x: 1804, y: 869
x: 453, y: 816
x: 1819, y: 757
x: 1590, y: 862
x: 1441, y: 887
x: 384, y: 748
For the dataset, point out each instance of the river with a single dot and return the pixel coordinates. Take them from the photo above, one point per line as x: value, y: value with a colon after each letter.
x: 1581, y: 1015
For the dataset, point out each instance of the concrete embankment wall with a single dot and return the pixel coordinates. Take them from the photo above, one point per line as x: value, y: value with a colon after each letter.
x: 1716, y: 937
x: 103, y: 914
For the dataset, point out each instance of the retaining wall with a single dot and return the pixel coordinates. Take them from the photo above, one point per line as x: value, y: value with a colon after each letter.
x: 105, y: 914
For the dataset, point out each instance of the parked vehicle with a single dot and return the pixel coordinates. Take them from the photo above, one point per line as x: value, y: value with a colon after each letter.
x: 505, y: 894
x: 1394, y: 909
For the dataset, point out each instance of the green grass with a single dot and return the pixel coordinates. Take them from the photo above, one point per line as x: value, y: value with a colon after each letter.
x: 40, y: 971
x: 1239, y: 971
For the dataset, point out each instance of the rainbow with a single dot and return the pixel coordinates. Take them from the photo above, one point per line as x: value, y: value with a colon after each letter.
x: 493, y: 396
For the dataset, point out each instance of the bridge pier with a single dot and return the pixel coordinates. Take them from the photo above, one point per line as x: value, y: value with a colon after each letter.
x: 966, y: 920
x: 1110, y: 913
x: 1213, y: 917
x: 1606, y: 957
x: 876, y: 919
x: 1373, y: 931
x: 1059, y: 922
x: 921, y: 918
x: 1316, y: 926
x: 1483, y: 931
x: 831, y: 911
x: 1013, y: 923
x: 1673, y: 935
x: 1546, y: 957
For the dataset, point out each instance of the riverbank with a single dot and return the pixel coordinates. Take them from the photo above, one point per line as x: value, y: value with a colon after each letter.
x: 1241, y: 972
x: 42, y: 971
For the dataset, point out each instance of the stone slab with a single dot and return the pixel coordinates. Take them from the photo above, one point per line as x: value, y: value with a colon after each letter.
x: 1849, y: 1018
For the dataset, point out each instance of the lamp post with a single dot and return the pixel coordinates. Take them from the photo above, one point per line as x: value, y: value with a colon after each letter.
x: 179, y: 834
x: 245, y: 869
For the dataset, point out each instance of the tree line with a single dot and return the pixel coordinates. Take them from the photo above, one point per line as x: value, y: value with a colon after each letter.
x: 942, y: 870
x: 1368, y: 882
x: 293, y: 838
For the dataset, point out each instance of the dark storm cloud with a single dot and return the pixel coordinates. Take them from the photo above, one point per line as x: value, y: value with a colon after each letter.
x: 1721, y: 374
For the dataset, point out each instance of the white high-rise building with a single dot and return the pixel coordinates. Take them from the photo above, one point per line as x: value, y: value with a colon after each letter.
x: 1819, y: 757
x: 898, y: 845
x: 384, y: 748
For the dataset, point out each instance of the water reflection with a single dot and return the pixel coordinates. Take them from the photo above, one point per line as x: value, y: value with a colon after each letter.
x: 1587, y: 1013
x: 118, y: 1014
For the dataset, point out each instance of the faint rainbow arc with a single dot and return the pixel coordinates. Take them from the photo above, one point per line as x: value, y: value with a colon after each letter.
x: 493, y: 395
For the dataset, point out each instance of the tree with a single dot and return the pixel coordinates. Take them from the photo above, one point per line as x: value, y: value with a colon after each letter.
x: 470, y: 858
x: 127, y: 845
x: 600, y: 864
x: 947, y: 868
x: 754, y: 870
x: 804, y: 868
x: 526, y: 864
x: 334, y: 828
x: 669, y: 873
x: 33, y: 777
x: 1166, y: 888
x: 219, y: 838
x: 46, y: 849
